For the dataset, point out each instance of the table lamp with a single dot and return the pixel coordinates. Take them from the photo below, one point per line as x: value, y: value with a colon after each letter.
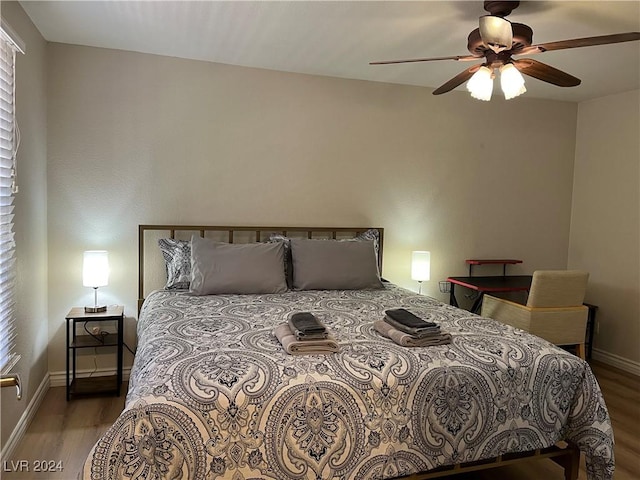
x: 95, y: 273
x: 420, y: 267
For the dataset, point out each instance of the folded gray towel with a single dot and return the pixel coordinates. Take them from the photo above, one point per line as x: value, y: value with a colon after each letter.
x: 306, y: 323
x: 406, y: 340
x: 304, y: 347
x: 309, y: 336
x: 305, y: 326
x: 414, y: 332
x: 408, y: 319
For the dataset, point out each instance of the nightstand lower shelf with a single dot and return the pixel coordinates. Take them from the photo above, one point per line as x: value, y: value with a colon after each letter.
x: 95, y: 385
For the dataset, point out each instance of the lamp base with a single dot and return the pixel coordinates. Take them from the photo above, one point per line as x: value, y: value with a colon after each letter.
x: 95, y: 309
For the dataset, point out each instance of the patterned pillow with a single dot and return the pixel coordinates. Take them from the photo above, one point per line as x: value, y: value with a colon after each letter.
x: 372, y: 234
x: 177, y: 258
x: 288, y: 263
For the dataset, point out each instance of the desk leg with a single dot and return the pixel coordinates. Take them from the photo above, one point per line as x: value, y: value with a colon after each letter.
x: 477, y: 304
x: 120, y: 352
x: 67, y: 351
x: 591, y: 323
x: 452, y: 295
x: 73, y: 354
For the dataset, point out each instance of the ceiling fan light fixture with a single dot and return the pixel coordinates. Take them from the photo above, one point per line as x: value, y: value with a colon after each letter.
x: 480, y: 85
x: 496, y: 33
x: 511, y: 81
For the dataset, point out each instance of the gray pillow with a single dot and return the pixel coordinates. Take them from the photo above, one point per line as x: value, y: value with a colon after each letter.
x: 177, y: 259
x: 218, y: 268
x: 372, y: 234
x: 334, y: 265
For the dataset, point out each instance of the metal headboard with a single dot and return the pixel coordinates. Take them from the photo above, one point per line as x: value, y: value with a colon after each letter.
x: 249, y: 234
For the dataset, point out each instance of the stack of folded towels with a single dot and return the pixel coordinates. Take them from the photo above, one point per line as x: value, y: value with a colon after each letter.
x: 409, y: 330
x: 304, y: 334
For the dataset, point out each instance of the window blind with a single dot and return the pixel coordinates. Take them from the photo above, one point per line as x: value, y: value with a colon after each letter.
x: 9, y: 139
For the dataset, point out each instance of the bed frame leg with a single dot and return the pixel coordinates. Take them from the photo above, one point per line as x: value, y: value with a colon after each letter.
x: 570, y: 462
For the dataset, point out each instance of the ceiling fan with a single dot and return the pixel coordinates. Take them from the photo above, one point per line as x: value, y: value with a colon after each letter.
x: 497, y: 40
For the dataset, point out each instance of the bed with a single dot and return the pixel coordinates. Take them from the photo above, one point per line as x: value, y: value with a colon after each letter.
x: 212, y: 394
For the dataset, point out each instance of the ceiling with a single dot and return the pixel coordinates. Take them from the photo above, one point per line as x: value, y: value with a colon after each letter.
x: 339, y: 39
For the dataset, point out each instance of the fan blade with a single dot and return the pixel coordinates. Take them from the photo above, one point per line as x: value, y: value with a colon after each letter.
x: 460, y: 58
x: 546, y: 73
x: 457, y: 80
x: 578, y: 42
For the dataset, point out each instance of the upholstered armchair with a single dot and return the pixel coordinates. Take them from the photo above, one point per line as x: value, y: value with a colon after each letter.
x: 554, y: 309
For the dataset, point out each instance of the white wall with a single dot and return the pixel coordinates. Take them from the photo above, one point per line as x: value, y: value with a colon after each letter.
x: 605, y: 221
x: 137, y: 138
x: 30, y: 218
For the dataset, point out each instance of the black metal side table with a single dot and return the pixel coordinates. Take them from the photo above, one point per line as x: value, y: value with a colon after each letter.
x: 99, y: 384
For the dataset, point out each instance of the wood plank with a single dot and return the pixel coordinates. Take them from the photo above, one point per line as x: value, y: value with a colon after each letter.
x: 64, y: 432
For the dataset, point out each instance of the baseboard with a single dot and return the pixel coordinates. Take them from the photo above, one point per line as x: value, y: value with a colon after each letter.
x: 59, y: 379
x: 25, y: 420
x: 616, y: 361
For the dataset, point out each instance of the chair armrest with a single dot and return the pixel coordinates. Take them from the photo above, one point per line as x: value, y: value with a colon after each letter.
x: 506, y: 311
x: 533, y: 309
x: 510, y: 303
x: 561, y: 325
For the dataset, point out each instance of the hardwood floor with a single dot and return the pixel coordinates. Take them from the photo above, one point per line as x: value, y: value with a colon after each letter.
x: 62, y: 432
x: 65, y: 432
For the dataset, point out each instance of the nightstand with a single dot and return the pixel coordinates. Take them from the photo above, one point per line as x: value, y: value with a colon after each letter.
x: 102, y: 384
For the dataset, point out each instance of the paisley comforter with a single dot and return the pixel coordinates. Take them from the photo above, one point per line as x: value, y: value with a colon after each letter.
x: 213, y: 395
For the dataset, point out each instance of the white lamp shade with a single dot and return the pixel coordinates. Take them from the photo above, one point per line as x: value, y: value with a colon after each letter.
x: 420, y: 266
x: 95, y: 268
x: 511, y: 81
x: 480, y: 85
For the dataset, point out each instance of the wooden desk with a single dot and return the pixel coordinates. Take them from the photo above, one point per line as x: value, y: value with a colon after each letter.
x: 482, y: 285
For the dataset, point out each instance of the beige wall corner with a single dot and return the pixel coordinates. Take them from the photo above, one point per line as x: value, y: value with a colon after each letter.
x: 605, y: 222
